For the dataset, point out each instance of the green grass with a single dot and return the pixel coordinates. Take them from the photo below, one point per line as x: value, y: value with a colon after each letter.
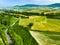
x: 2, y: 35
x: 21, y: 36
x: 53, y: 25
x: 5, y: 21
x: 1, y: 41
x: 46, y: 37
x: 45, y: 31
x: 41, y: 23
x: 25, y: 21
x: 17, y: 40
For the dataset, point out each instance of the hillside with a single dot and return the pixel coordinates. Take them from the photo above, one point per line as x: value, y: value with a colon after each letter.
x: 54, y: 5
x: 35, y: 5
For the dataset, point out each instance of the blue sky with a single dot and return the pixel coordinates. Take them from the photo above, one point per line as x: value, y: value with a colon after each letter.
x: 4, y: 3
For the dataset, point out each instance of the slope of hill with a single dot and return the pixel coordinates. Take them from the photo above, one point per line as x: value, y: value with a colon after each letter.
x: 25, y: 6
x: 35, y: 5
x: 54, y: 5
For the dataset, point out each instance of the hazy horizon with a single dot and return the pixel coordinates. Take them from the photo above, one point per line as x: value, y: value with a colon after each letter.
x: 7, y: 3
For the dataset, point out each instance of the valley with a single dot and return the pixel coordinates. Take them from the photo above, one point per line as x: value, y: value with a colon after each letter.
x: 30, y: 26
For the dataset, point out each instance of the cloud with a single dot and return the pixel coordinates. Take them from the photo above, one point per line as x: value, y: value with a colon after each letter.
x: 4, y: 3
x: 45, y: 1
x: 22, y: 2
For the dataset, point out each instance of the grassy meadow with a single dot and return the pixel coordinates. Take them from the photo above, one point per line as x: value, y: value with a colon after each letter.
x: 30, y: 26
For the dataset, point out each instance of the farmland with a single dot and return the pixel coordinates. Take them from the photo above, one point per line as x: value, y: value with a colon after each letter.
x: 30, y: 27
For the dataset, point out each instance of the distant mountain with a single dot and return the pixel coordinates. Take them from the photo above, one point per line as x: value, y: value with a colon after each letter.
x: 54, y: 5
x: 31, y: 5
x: 28, y: 5
x: 34, y: 5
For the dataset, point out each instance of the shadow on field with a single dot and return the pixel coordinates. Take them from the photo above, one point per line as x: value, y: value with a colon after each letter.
x: 10, y: 44
x: 47, y: 32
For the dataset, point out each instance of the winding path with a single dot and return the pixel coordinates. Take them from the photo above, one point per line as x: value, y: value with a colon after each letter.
x: 10, y: 42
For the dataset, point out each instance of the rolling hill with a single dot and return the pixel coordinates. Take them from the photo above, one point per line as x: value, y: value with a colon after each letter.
x: 35, y: 5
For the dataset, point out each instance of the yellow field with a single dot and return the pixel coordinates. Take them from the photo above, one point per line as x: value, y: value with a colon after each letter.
x: 41, y: 23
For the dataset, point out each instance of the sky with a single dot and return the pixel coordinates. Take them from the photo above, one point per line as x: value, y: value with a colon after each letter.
x: 7, y: 3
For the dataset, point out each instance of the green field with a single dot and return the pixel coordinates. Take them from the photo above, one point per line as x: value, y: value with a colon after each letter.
x: 30, y: 27
x: 41, y: 23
